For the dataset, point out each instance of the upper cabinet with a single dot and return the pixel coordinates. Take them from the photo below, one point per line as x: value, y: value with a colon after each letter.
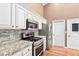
x: 20, y: 21
x: 26, y: 14
x: 39, y: 23
x: 5, y: 16
x: 39, y: 19
x: 13, y: 16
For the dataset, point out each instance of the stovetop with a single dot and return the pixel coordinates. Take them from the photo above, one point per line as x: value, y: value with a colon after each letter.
x: 32, y: 39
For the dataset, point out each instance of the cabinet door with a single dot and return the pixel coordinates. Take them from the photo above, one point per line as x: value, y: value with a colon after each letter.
x: 44, y: 21
x: 44, y: 43
x: 27, y: 50
x: 26, y: 15
x: 20, y: 20
x: 5, y: 15
x: 39, y: 23
x: 29, y: 53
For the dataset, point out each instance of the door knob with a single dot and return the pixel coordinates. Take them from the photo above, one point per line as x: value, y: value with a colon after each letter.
x: 53, y: 34
x: 68, y: 35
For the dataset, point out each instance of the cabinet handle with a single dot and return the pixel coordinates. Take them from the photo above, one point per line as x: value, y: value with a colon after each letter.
x: 12, y: 26
x: 16, y: 26
x: 28, y: 50
x: 68, y: 35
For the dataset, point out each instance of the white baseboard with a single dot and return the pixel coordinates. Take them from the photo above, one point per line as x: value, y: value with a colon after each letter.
x: 65, y: 47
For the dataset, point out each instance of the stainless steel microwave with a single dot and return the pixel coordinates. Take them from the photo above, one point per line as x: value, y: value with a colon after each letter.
x: 30, y: 24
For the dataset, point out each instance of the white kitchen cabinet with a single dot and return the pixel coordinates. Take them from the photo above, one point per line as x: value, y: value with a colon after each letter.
x: 13, y: 16
x: 20, y: 21
x: 34, y: 16
x: 5, y: 16
x: 24, y: 52
x: 26, y: 14
x: 44, y: 43
x: 27, y: 51
x: 28, y: 54
x: 39, y: 23
x: 40, y: 20
x: 30, y: 16
x: 44, y: 21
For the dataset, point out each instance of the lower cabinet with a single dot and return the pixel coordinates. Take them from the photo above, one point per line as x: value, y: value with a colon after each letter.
x: 24, y: 52
x: 44, y: 44
x: 27, y: 51
x: 28, y: 54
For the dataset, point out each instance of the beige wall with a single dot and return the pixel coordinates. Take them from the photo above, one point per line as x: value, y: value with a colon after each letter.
x: 37, y: 7
x: 65, y: 10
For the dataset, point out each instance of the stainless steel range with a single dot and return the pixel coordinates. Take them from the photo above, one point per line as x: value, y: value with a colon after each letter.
x: 37, y: 46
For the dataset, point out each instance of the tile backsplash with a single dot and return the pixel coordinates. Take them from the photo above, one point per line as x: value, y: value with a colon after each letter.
x: 10, y: 35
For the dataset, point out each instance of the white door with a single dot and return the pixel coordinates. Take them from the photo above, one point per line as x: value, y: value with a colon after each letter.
x: 72, y: 33
x: 59, y: 32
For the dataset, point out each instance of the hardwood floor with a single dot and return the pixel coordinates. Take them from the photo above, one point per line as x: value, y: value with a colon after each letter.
x: 60, y: 51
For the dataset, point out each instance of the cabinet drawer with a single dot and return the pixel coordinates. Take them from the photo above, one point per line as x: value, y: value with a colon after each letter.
x: 26, y: 50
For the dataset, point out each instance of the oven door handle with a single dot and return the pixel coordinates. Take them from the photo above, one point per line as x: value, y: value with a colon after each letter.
x: 38, y: 46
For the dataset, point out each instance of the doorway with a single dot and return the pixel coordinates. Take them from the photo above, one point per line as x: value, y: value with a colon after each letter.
x: 58, y: 32
x: 73, y: 33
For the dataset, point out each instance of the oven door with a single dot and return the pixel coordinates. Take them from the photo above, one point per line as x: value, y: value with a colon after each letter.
x: 38, y: 50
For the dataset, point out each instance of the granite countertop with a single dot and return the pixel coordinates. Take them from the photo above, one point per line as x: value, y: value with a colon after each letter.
x: 9, y: 49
